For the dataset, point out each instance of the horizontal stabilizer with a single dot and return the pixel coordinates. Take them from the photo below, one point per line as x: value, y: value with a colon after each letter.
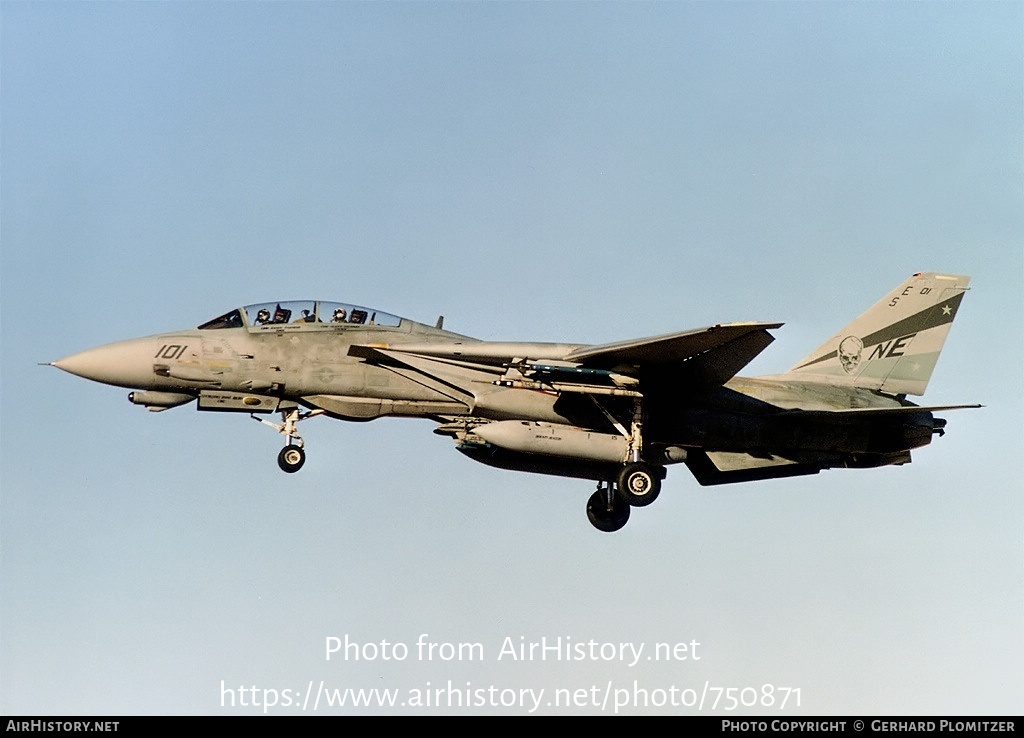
x: 863, y: 412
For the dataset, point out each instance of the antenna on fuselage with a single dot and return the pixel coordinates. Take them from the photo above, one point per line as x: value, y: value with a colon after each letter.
x: 440, y: 322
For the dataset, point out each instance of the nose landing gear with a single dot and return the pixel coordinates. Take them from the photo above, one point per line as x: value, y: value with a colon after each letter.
x: 292, y: 456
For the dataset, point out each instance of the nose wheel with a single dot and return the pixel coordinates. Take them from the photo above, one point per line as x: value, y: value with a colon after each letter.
x: 291, y: 459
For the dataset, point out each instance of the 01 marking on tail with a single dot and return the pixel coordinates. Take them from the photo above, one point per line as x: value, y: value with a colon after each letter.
x: 618, y: 413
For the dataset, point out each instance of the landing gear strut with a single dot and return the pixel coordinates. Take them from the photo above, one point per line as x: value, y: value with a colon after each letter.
x: 638, y: 484
x: 292, y: 456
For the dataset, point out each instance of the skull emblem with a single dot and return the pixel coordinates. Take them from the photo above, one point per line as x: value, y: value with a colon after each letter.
x: 850, y: 349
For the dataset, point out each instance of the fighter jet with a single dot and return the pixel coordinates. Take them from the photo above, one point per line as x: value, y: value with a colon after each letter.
x: 617, y: 413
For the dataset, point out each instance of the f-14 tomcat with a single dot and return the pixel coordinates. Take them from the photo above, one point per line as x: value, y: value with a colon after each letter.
x: 616, y: 413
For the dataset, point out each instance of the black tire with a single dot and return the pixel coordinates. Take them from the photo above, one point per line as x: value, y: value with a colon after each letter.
x: 604, y: 518
x: 291, y: 459
x: 639, y: 484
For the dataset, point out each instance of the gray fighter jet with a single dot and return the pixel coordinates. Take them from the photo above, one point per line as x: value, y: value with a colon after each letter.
x: 617, y: 413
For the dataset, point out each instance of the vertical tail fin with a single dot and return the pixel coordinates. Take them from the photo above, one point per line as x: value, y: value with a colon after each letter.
x: 894, y: 346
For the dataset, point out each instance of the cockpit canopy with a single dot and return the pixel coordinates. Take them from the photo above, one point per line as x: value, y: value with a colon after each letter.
x: 276, y: 315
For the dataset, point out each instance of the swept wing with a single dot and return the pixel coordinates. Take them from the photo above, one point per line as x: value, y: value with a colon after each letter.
x: 714, y: 354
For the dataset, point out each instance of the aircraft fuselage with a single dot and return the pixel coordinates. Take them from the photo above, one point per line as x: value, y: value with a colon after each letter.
x: 619, y: 413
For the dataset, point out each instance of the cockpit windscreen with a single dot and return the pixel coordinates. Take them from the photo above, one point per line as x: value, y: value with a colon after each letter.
x: 302, y: 311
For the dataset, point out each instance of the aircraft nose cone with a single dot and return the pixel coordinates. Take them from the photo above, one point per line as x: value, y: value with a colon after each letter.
x: 90, y: 364
x: 126, y: 364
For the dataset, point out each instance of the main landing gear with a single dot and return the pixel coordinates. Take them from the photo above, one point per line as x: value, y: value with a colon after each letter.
x: 292, y: 456
x: 638, y: 485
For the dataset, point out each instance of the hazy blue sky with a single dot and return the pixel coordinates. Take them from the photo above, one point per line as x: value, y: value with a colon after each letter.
x: 581, y: 172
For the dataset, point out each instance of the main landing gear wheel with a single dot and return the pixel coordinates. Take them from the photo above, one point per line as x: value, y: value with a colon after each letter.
x: 606, y: 510
x: 291, y: 458
x: 639, y: 484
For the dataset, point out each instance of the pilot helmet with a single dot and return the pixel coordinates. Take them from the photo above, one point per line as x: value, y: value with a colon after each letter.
x: 263, y: 315
x: 339, y: 315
